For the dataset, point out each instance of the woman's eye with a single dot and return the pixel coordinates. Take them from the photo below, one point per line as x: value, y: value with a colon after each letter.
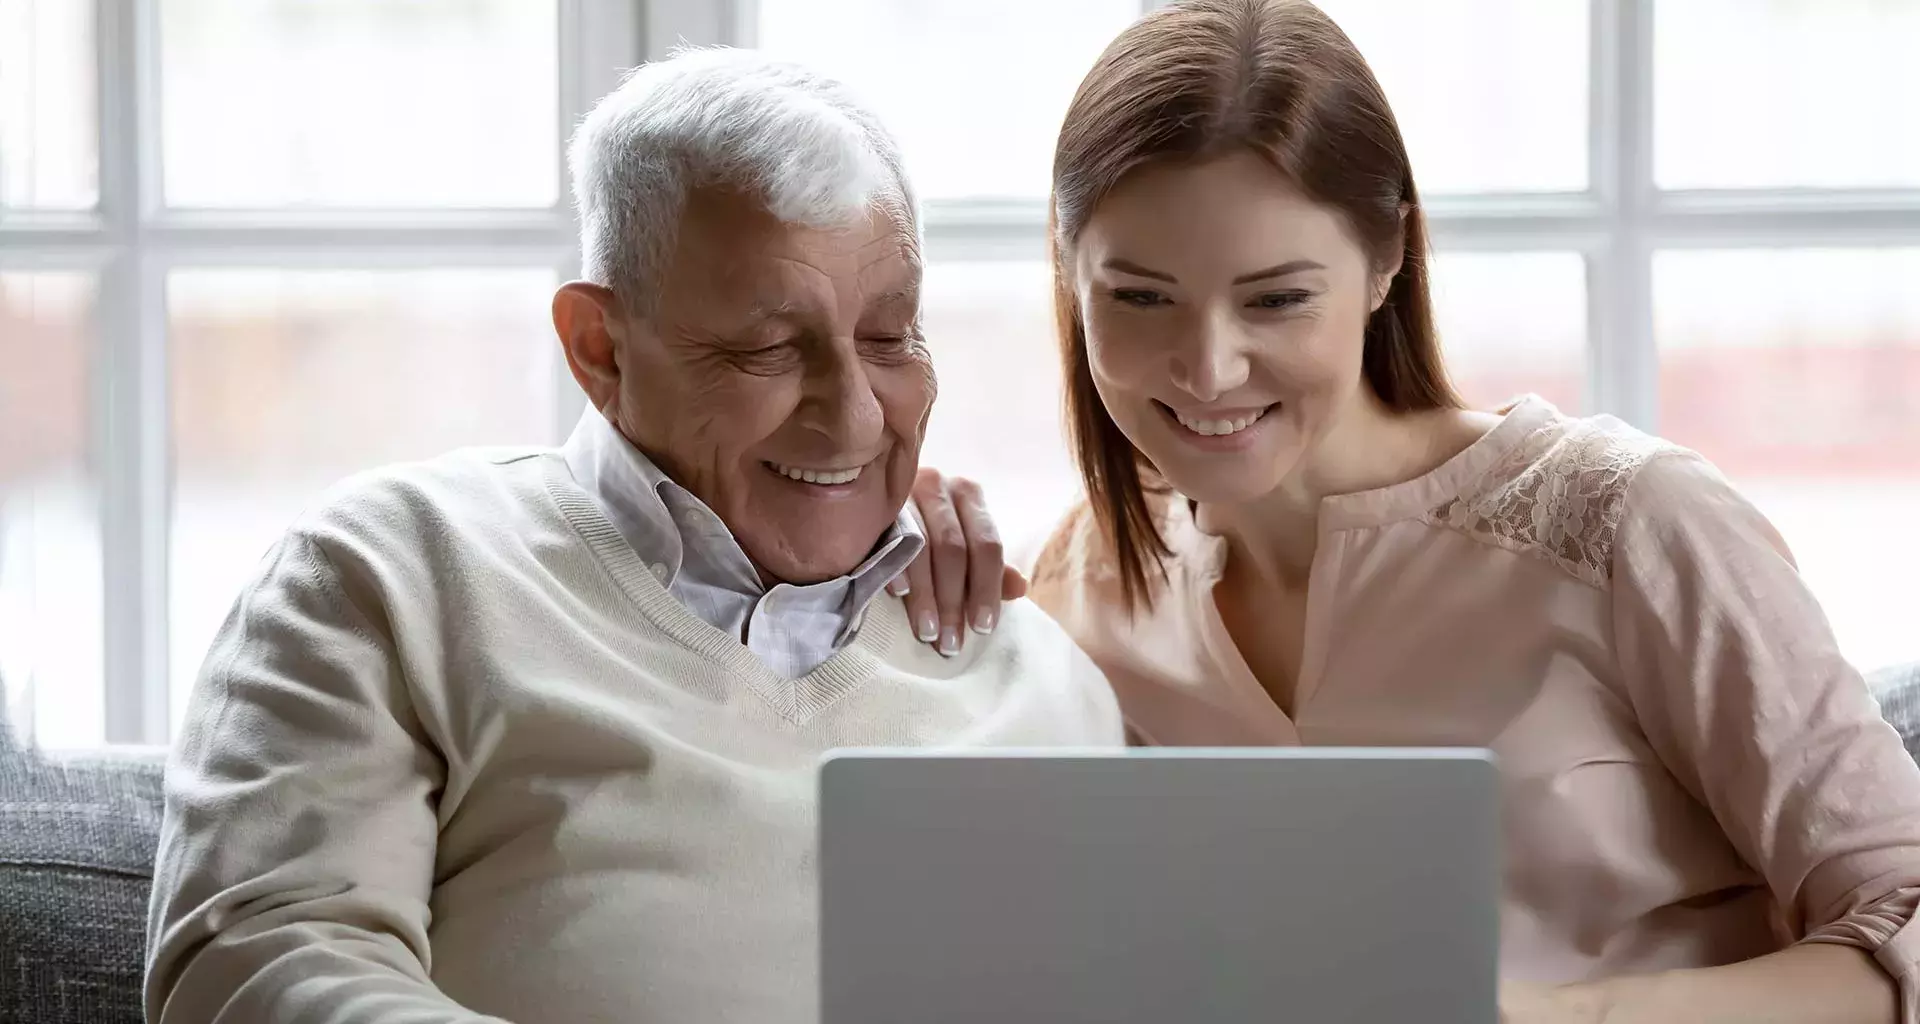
x: 1279, y: 300
x: 1138, y: 297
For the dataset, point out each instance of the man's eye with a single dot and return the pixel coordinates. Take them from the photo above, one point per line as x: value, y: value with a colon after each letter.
x: 888, y: 348
x: 775, y: 358
x: 1138, y: 297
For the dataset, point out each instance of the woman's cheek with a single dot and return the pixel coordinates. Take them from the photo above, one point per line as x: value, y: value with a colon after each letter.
x: 1123, y: 352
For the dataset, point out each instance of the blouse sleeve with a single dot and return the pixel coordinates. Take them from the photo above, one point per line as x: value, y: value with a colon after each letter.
x: 1735, y: 676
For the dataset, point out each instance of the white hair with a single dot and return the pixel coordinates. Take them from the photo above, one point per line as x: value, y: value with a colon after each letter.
x: 717, y: 116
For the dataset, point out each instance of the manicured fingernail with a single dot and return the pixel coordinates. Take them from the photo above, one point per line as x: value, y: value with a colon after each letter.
x: 983, y: 622
x: 926, y: 628
x: 950, y: 642
x: 900, y: 587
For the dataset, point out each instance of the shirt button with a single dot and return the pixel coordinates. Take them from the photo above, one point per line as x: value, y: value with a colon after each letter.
x: 659, y: 572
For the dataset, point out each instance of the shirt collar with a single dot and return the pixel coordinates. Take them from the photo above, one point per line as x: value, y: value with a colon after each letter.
x: 898, y: 547
x: 666, y: 524
x: 627, y: 484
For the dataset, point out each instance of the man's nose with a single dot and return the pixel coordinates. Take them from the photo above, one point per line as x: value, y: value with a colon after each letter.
x: 838, y: 401
x: 1213, y: 361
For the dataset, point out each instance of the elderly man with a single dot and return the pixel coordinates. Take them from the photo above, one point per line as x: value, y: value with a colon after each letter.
x: 531, y: 735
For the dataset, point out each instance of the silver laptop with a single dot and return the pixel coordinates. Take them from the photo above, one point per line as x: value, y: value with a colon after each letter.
x: 1159, y: 886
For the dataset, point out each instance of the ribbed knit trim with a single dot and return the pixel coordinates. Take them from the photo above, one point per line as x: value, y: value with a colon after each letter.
x: 796, y: 700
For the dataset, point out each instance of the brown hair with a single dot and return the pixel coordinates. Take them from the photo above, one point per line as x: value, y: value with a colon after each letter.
x: 1200, y: 78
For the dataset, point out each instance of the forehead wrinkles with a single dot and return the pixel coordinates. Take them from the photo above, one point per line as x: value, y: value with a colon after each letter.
x: 858, y: 248
x: 887, y: 248
x: 792, y: 269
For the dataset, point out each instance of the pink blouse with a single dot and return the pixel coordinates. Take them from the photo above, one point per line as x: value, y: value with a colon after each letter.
x: 1692, y: 773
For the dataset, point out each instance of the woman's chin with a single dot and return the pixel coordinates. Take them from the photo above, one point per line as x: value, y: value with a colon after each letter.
x: 1224, y: 477
x: 1208, y: 489
x: 1224, y: 482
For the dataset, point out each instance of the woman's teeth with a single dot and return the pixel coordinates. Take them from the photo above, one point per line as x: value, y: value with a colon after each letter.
x: 1219, y: 428
x: 817, y: 476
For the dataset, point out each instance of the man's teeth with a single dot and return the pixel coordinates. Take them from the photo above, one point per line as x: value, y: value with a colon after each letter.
x: 1217, y: 428
x: 817, y: 476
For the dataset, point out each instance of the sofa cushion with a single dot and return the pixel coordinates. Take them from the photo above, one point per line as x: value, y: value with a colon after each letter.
x: 77, y: 839
x: 1898, y: 690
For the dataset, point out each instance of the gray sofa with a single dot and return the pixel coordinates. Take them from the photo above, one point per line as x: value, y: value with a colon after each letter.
x: 77, y: 836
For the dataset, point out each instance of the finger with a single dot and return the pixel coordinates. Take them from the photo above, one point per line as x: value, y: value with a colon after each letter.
x: 1013, y: 584
x: 921, y: 613
x: 986, y: 561
x: 947, y: 544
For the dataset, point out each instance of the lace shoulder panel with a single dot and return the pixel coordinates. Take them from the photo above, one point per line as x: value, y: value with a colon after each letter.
x: 1559, y: 495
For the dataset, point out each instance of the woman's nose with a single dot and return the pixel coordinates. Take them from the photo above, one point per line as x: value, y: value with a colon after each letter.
x: 1214, y: 363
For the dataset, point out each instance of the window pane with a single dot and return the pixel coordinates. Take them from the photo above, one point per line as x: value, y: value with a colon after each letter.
x: 974, y: 91
x: 360, y: 103
x: 998, y: 419
x: 51, y: 618
x: 1786, y: 93
x: 1797, y: 373
x: 1513, y: 323
x: 48, y: 147
x: 1454, y: 74
x: 285, y: 381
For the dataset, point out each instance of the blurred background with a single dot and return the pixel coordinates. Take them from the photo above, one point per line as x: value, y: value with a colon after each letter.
x: 248, y: 247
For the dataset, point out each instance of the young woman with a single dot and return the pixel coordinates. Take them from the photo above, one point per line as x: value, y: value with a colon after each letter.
x: 1295, y: 532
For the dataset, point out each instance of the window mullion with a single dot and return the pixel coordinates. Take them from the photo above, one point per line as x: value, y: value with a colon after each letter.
x: 1623, y: 363
x: 119, y: 100
x: 742, y: 22
x: 130, y: 430
x: 670, y: 23
x: 133, y: 419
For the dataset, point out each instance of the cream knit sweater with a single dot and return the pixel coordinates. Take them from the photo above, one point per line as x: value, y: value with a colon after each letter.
x: 456, y: 756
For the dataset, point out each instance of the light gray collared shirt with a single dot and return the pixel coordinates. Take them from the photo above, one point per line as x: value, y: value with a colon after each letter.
x: 792, y: 628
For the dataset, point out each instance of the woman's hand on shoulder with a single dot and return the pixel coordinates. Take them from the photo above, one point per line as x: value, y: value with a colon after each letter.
x: 961, y: 576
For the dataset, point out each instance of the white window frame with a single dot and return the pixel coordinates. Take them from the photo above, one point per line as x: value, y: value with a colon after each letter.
x: 131, y: 241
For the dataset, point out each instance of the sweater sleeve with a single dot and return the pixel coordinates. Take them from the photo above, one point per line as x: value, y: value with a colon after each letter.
x: 1735, y: 676
x: 296, y: 855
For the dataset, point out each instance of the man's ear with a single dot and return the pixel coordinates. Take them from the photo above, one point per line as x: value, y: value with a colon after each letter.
x: 587, y: 318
